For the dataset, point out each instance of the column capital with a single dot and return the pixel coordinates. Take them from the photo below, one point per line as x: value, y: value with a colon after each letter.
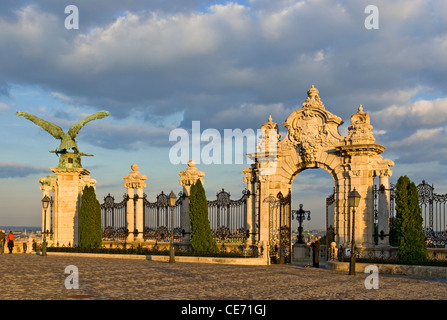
x: 134, y: 179
x: 190, y: 175
x: 46, y: 182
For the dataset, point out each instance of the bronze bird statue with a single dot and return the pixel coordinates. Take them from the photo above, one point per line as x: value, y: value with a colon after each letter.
x: 67, y: 138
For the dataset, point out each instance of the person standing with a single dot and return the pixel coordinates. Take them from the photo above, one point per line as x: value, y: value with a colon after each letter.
x: 316, y: 253
x: 2, y: 241
x: 10, y: 240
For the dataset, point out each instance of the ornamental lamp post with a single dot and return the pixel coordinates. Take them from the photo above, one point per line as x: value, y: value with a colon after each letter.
x: 171, y: 201
x: 45, y: 203
x: 353, y: 202
x: 300, y: 216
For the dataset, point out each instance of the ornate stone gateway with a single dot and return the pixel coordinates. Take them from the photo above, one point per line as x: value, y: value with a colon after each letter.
x: 313, y: 141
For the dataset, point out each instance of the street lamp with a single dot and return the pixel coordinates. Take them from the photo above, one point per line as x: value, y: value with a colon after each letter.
x: 45, y: 203
x: 300, y: 216
x: 171, y: 201
x: 353, y: 202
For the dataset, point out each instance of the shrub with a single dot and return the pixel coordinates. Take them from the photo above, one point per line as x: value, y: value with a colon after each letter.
x: 410, y: 236
x: 89, y: 224
x: 202, y: 240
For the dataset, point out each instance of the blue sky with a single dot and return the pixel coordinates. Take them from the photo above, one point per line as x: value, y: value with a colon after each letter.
x: 159, y: 65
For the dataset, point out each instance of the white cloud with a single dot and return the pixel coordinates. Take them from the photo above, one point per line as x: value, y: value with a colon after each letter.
x: 3, y: 107
x: 261, y: 54
x: 18, y: 170
x: 422, y: 113
x: 61, y: 96
x: 421, y: 136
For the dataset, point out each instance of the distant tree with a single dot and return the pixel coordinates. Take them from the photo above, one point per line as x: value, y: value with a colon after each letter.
x: 410, y: 236
x: 89, y: 223
x: 202, y: 240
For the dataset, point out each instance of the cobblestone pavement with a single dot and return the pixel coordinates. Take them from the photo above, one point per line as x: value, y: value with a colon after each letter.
x: 32, y: 277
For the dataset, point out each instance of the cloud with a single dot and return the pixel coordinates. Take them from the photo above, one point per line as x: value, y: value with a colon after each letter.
x: 61, y: 96
x: 168, y: 59
x: 422, y: 146
x: 3, y: 107
x: 19, y: 170
x: 419, y: 114
x: 229, y: 65
x: 124, y: 137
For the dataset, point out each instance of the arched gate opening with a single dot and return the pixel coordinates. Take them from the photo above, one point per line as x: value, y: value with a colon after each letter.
x: 313, y: 141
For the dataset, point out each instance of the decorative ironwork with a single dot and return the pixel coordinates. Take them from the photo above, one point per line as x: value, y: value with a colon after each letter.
x: 162, y: 234
x: 157, y: 218
x: 111, y: 234
x: 280, y: 222
x: 114, y: 214
x: 224, y: 234
x: 300, y: 217
x: 228, y: 218
x: 433, y: 211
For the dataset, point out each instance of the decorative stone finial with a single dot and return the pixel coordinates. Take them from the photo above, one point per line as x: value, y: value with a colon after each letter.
x: 313, y: 99
x: 360, y: 130
x: 270, y: 118
x: 134, y: 179
x: 312, y: 92
x: 190, y: 176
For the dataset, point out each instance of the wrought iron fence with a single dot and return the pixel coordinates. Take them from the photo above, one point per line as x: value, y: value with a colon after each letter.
x: 157, y: 218
x: 433, y: 211
x: 113, y: 214
x: 228, y: 218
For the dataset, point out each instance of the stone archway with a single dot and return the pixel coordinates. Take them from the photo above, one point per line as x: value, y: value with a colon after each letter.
x: 313, y: 141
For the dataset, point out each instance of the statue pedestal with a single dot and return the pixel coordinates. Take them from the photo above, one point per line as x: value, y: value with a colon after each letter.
x: 70, y: 183
x: 301, y: 253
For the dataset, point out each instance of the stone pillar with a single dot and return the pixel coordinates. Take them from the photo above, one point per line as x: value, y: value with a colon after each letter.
x: 45, y: 186
x: 384, y: 209
x: 70, y: 182
x: 130, y: 214
x: 363, y: 213
x: 251, y: 205
x: 266, y: 209
x: 139, y: 216
x: 134, y: 217
x: 187, y: 178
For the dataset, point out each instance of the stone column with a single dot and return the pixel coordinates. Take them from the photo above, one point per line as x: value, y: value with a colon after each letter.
x: 130, y: 214
x: 139, y: 217
x: 134, y: 216
x: 266, y: 203
x: 70, y: 182
x: 251, y: 205
x: 384, y: 209
x: 187, y: 178
x: 45, y: 186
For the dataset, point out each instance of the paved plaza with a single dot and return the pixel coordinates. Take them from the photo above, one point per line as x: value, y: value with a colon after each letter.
x: 33, y: 277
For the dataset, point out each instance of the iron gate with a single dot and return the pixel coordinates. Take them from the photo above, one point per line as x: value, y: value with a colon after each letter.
x: 280, y: 225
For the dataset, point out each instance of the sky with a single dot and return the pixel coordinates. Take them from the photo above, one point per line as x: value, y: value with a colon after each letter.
x: 157, y: 66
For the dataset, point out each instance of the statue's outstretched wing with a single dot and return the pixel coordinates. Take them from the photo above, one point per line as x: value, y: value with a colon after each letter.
x: 51, y: 128
x: 74, y: 130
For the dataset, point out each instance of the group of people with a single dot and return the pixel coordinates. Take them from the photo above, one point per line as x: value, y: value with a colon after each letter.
x: 9, y: 239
